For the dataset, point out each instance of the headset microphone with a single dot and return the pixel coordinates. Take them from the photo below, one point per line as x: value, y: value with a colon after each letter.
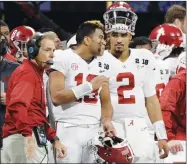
x: 49, y: 62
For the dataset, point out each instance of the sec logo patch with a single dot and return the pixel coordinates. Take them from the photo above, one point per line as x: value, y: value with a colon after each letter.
x: 74, y: 66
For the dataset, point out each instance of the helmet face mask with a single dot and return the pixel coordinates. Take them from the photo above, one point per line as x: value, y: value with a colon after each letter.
x: 108, y: 150
x: 19, y: 37
x: 120, y: 17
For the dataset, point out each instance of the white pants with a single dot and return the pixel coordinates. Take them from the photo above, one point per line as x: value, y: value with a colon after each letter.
x: 179, y: 157
x: 14, y: 151
x: 135, y: 130
x: 74, y: 138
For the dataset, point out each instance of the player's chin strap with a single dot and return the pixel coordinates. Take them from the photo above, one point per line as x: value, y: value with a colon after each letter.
x: 51, y: 116
x: 159, y: 128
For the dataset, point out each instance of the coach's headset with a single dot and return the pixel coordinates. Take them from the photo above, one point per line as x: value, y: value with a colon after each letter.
x: 33, y: 46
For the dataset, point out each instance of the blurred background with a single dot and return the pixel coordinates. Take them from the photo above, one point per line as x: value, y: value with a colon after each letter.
x: 65, y: 16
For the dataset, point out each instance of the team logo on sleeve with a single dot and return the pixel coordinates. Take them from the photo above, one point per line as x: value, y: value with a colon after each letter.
x: 74, y: 66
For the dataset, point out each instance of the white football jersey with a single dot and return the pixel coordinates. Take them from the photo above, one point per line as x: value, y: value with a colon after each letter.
x: 130, y: 82
x: 171, y: 63
x: 86, y: 110
x: 162, y: 76
x: 181, y: 63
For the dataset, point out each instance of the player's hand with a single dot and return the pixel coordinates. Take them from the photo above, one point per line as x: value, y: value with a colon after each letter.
x: 163, y: 50
x: 3, y: 98
x: 98, y: 81
x: 108, y: 128
x: 61, y: 150
x: 30, y: 145
x: 175, y: 146
x: 162, y: 145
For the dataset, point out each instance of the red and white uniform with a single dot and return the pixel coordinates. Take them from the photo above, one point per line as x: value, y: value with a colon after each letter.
x: 162, y: 76
x: 130, y: 82
x: 78, y: 121
x: 77, y: 71
x: 171, y: 64
x: 181, y: 63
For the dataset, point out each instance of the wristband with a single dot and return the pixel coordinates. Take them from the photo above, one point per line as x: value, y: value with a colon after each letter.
x: 82, y: 89
x: 160, y: 130
x: 54, y: 139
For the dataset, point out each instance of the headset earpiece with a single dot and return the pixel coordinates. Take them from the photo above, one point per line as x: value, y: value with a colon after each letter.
x: 33, y: 46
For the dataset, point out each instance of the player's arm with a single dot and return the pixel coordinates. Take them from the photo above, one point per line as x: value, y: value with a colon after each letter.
x: 154, y: 109
x: 106, y: 110
x: 57, y: 92
x: 61, y: 96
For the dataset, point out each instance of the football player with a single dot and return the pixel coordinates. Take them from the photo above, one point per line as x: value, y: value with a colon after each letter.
x: 83, y: 95
x: 166, y: 48
x: 132, y: 85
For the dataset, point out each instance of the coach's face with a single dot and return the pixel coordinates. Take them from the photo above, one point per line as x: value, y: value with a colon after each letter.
x: 97, y: 44
x: 119, y: 42
x: 46, y: 52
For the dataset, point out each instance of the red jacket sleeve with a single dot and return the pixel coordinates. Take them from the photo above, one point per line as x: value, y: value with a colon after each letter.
x: 50, y: 133
x: 168, y: 101
x: 19, y: 101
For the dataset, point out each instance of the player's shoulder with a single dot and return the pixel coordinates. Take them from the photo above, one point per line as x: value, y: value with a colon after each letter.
x: 106, y: 57
x: 142, y: 53
x: 63, y: 54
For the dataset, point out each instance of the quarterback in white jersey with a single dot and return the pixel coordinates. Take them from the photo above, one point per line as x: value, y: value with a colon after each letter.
x: 83, y: 95
x: 132, y: 84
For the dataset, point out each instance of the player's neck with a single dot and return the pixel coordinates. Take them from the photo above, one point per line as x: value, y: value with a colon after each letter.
x: 125, y: 55
x: 122, y: 56
x: 84, y: 53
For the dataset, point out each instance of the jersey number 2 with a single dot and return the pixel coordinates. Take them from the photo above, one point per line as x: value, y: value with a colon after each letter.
x: 87, y: 99
x: 121, y: 89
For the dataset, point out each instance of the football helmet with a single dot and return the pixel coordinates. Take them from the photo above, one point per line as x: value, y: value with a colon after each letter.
x: 120, y: 17
x: 19, y: 37
x: 108, y: 150
x: 167, y: 34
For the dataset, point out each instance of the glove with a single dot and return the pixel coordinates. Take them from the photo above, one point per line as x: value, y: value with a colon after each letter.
x: 163, y: 51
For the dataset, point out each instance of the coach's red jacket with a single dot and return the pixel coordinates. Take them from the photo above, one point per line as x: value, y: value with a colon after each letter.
x: 26, y: 101
x: 173, y: 104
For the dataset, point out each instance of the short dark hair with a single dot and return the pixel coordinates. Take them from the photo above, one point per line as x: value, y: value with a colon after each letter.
x: 88, y: 28
x: 2, y: 23
x: 175, y: 12
x: 140, y: 41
